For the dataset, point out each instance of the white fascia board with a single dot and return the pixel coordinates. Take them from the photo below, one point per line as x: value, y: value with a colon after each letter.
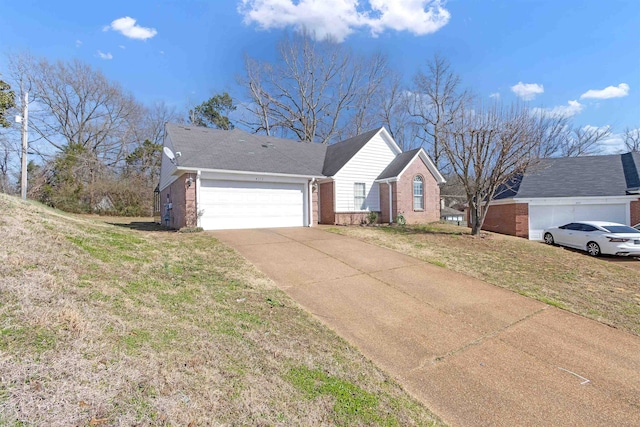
x: 387, y: 180
x: 181, y: 169
x: 430, y: 165
x: 593, y: 200
x: 506, y: 201
x: 389, y: 140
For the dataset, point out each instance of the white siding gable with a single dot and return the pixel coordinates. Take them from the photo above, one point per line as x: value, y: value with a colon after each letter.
x: 364, y: 167
x: 167, y: 167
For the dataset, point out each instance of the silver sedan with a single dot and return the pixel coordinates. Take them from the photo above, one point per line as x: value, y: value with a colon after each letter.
x: 596, y: 237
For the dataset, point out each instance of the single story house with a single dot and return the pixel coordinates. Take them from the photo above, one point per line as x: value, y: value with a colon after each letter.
x: 452, y: 215
x: 219, y: 179
x: 557, y: 191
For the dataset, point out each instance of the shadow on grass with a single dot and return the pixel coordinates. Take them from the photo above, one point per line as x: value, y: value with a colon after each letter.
x: 142, y: 226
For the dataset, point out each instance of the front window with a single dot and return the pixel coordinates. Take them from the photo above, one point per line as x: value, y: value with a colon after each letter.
x: 418, y: 193
x: 359, y: 195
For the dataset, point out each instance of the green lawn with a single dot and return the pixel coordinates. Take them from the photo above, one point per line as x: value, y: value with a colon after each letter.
x: 606, y: 291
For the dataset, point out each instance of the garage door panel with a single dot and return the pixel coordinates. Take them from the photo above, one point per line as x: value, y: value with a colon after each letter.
x: 545, y: 216
x: 238, y: 204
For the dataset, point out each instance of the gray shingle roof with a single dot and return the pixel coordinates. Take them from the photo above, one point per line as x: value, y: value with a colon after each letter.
x: 398, y: 164
x: 341, y: 152
x: 237, y: 150
x: 590, y: 176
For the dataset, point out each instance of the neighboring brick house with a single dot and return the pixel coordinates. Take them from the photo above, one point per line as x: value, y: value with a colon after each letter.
x: 558, y: 191
x: 232, y: 179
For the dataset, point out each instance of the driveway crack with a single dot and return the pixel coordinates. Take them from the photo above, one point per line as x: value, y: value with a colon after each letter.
x: 479, y: 340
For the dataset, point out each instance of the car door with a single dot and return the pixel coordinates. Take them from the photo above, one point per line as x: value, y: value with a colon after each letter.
x: 571, y: 235
x: 583, y: 236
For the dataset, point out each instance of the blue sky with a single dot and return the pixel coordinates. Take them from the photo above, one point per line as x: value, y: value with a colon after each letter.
x: 578, y: 57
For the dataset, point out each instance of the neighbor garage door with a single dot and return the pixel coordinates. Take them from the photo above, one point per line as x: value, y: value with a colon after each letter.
x: 541, y: 217
x: 241, y: 204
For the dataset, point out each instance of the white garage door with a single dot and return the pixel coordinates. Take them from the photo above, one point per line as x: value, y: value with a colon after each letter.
x: 541, y: 217
x: 238, y: 204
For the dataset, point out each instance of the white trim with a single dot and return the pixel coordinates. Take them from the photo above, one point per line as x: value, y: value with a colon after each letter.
x: 198, y: 200
x: 565, y: 200
x: 310, y: 208
x: 234, y: 172
x: 386, y: 137
x: 430, y: 165
x: 428, y: 162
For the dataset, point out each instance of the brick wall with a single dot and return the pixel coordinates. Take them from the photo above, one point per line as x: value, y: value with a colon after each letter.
x: 635, y: 212
x: 183, y: 201
x: 404, y: 195
x: 326, y: 203
x: 512, y: 218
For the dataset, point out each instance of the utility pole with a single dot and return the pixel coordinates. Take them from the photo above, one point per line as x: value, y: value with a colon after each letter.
x: 25, y: 144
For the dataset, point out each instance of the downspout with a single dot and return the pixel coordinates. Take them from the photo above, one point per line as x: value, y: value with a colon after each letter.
x: 198, y: 221
x: 310, y: 201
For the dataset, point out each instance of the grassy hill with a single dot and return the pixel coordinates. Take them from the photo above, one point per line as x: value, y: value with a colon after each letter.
x: 101, y: 324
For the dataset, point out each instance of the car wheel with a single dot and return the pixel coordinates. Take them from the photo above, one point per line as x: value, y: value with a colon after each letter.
x: 548, y: 239
x: 593, y: 248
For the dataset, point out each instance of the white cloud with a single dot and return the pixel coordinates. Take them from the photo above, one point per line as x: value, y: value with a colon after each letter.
x: 105, y: 55
x: 527, y: 91
x: 608, y: 92
x: 121, y: 46
x: 495, y: 95
x: 78, y: 43
x: 128, y: 28
x: 571, y: 109
x: 162, y: 52
x: 339, y: 18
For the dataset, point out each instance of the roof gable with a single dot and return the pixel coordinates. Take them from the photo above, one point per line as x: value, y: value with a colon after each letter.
x: 339, y: 154
x: 402, y: 161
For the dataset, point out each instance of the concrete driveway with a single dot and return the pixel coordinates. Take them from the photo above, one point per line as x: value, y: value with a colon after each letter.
x: 474, y: 353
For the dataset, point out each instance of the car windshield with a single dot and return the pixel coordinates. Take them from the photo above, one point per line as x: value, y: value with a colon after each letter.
x: 620, y: 229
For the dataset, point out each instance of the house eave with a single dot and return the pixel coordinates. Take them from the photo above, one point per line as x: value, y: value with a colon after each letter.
x: 183, y: 169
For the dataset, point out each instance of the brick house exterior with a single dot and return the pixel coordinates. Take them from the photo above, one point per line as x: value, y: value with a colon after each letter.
x: 557, y: 191
x: 403, y: 195
x: 220, y: 179
x: 635, y: 212
x: 512, y: 218
x: 178, y: 203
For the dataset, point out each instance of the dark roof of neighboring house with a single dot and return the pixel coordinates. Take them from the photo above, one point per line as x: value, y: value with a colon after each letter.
x: 445, y: 210
x: 340, y: 153
x: 589, y: 176
x: 398, y: 164
x: 238, y: 150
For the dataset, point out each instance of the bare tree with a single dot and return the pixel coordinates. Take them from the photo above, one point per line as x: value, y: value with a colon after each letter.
x: 393, y: 113
x: 582, y: 141
x: 316, y: 90
x: 632, y: 139
x: 488, y: 147
x: 78, y: 106
x: 437, y: 98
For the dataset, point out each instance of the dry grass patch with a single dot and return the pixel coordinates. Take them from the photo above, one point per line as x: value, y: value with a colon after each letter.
x: 104, y: 325
x: 596, y: 288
